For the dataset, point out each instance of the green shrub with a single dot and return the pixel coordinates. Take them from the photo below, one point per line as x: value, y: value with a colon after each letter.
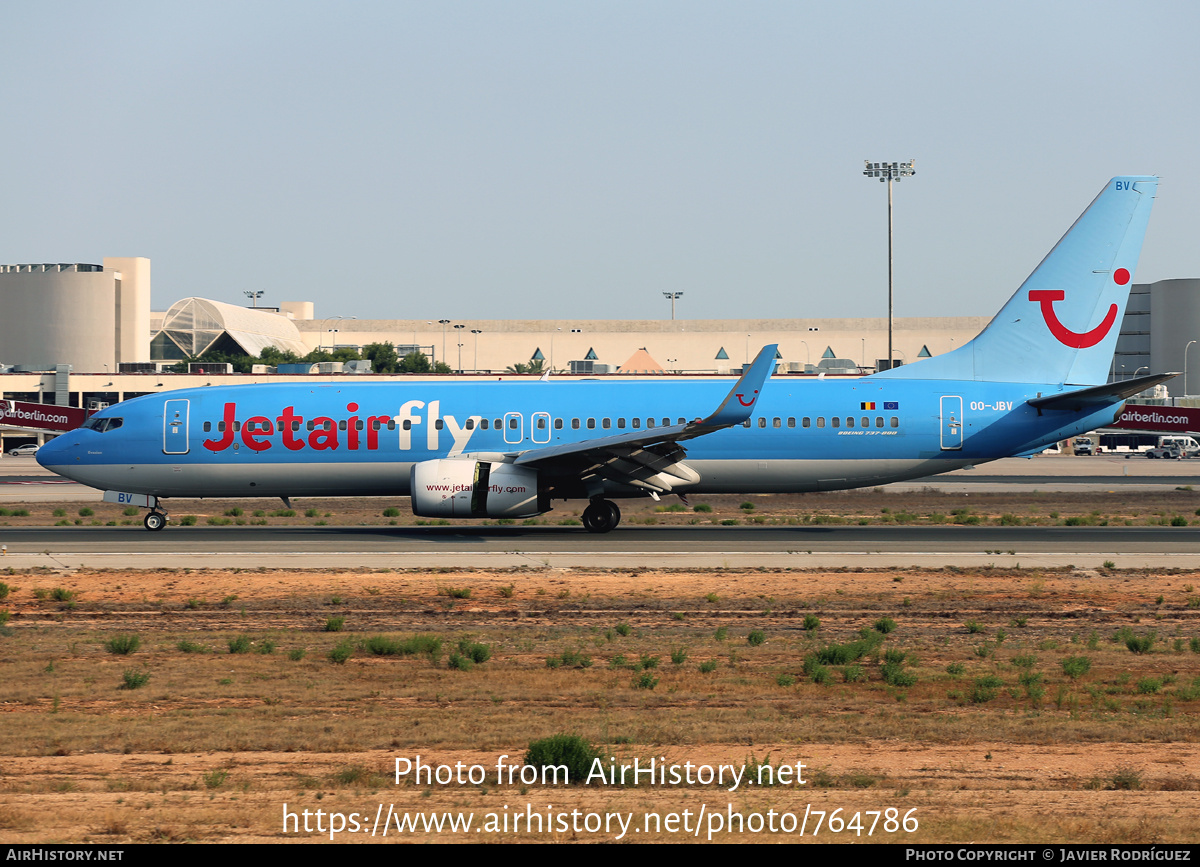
x: 678, y: 656
x: 459, y: 662
x: 342, y: 652
x: 702, y: 507
x: 784, y: 680
x: 884, y: 625
x: 477, y: 653
x: 296, y: 654
x: 811, y: 623
x: 1026, y: 660
x: 645, y: 681
x: 58, y: 594
x: 853, y: 674
x: 134, y: 679
x: 1140, y: 643
x: 186, y: 646
x: 334, y: 624
x: 985, y: 689
x: 123, y: 645
x: 265, y: 647
x: 1076, y: 667
x: 563, y: 750
x: 85, y: 512
x: 239, y: 644
x: 722, y: 633
x: 187, y: 521
x: 455, y: 592
x: 844, y: 654
x: 975, y: 628
x: 708, y: 666
x: 756, y: 637
x: 623, y: 629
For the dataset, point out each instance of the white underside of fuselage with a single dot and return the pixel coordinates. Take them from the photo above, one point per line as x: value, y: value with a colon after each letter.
x: 392, y: 478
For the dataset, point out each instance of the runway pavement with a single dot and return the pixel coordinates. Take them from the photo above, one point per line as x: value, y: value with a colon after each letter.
x: 673, y: 547
x: 467, y: 546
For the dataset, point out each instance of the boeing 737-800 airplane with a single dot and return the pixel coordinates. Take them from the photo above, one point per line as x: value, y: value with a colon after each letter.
x: 507, y: 449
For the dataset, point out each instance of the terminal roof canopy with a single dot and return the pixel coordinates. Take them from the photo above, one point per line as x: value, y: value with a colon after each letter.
x: 194, y: 325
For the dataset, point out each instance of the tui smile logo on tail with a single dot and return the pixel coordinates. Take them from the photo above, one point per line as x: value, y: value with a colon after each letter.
x: 1064, y: 335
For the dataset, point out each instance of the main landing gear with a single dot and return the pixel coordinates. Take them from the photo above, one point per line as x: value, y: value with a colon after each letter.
x: 155, y: 520
x: 601, y: 516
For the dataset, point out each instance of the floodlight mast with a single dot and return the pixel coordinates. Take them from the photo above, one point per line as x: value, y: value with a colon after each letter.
x: 890, y: 172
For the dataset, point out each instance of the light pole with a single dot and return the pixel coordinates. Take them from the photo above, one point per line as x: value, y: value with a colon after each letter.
x: 325, y: 329
x: 476, y: 332
x: 552, y: 333
x: 443, y: 323
x: 459, y: 329
x: 1185, y: 352
x: 890, y: 172
x: 253, y: 295
x: 807, y: 354
x: 674, y: 296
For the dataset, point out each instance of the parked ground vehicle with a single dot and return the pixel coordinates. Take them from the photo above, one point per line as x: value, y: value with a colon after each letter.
x: 25, y: 450
x: 1084, y: 446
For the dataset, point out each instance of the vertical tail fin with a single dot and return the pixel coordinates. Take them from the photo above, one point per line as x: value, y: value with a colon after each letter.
x: 1061, y: 326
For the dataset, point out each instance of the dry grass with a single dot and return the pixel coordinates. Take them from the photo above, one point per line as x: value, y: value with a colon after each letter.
x: 213, y: 744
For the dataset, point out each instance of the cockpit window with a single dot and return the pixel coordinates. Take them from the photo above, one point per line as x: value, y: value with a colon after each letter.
x: 100, y: 425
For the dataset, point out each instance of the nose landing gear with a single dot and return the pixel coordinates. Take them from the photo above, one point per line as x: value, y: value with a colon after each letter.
x: 155, y: 520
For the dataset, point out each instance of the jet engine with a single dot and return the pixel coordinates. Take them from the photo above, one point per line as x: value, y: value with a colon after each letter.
x: 463, y: 488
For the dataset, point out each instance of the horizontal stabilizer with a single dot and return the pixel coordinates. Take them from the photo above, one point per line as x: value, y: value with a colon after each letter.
x: 1097, y: 395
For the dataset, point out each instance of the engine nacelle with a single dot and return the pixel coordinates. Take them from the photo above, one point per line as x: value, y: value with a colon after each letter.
x: 464, y: 488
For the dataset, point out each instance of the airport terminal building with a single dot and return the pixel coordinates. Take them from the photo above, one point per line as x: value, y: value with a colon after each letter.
x: 83, y: 335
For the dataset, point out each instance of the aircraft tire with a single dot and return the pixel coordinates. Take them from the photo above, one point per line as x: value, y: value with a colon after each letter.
x: 601, y: 516
x: 155, y: 520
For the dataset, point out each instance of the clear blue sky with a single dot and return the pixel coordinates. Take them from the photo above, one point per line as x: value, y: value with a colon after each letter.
x: 475, y: 160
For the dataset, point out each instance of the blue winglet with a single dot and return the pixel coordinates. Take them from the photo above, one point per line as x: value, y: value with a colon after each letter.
x: 740, y: 402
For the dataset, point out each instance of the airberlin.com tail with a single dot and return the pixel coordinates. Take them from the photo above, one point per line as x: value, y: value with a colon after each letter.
x: 1061, y: 326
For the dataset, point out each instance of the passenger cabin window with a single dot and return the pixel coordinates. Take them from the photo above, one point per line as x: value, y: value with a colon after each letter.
x: 835, y: 421
x: 806, y: 422
x: 574, y: 424
x: 895, y: 422
x: 636, y: 423
x: 762, y: 422
x: 591, y: 424
x: 820, y: 421
x: 606, y: 423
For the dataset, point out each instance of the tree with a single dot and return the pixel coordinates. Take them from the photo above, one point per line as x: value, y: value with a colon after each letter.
x: 382, y: 356
x: 414, y: 362
x: 535, y: 367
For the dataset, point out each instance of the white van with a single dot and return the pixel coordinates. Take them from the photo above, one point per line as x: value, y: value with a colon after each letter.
x: 1187, y: 444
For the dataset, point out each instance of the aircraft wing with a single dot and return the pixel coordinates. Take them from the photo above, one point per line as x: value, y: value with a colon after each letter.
x: 1099, y: 394
x: 637, y: 456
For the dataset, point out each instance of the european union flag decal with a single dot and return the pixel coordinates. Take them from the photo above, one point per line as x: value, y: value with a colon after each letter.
x: 891, y: 404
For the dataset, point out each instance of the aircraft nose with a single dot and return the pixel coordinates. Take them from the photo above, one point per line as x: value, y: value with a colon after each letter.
x: 54, y: 453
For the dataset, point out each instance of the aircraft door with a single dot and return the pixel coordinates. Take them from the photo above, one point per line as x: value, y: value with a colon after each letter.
x: 513, y: 427
x: 175, y: 427
x: 952, y: 422
x: 539, y: 427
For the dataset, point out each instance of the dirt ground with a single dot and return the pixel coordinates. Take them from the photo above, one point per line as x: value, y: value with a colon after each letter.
x: 969, y: 718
